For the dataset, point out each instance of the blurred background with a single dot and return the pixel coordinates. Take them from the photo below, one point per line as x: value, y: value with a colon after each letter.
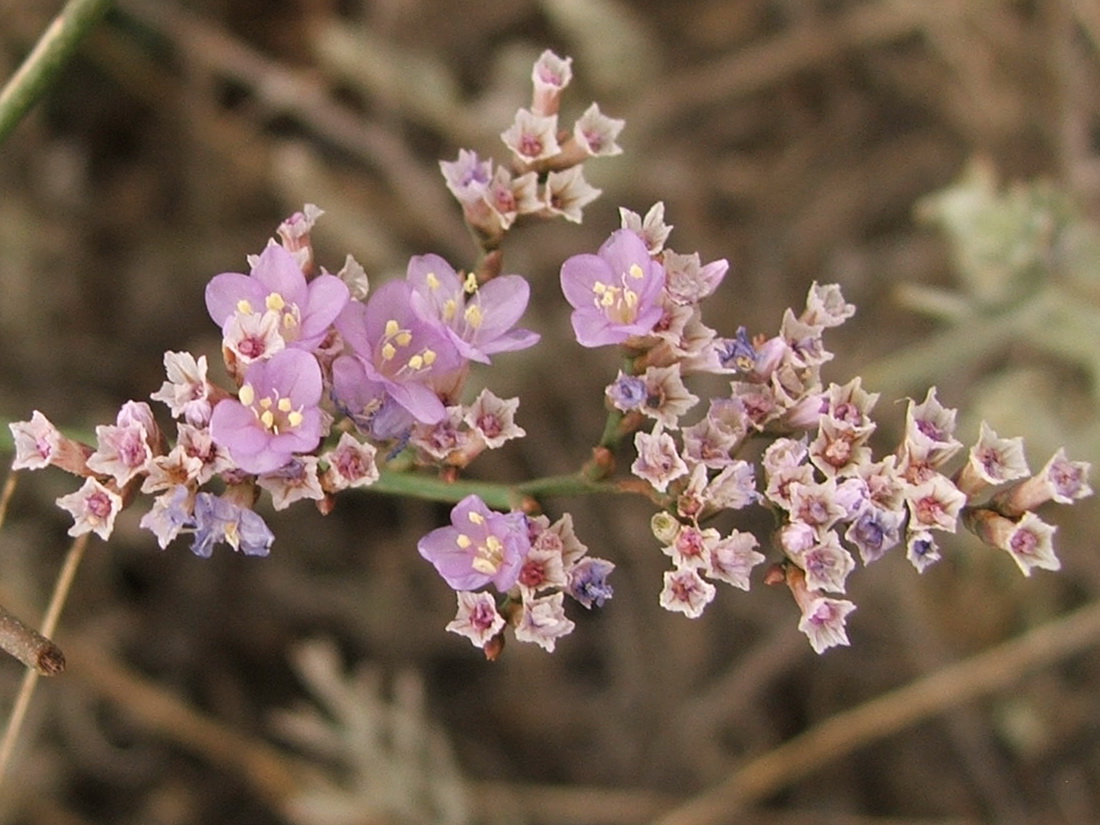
x: 939, y: 159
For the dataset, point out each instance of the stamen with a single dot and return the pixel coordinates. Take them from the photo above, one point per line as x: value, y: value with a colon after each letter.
x: 246, y: 395
x: 275, y: 302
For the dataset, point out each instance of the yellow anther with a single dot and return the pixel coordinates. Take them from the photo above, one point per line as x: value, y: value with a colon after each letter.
x: 244, y: 307
x: 476, y: 518
x: 470, y: 285
x: 636, y: 271
x: 267, y: 419
x: 473, y: 315
x: 285, y: 405
x: 463, y: 541
x: 290, y: 321
x: 483, y: 566
x: 403, y: 338
x: 416, y: 362
x: 391, y: 328
x: 599, y: 287
x: 246, y: 395
x: 275, y: 301
x: 266, y: 402
x: 429, y: 357
x: 388, y: 351
x: 295, y: 418
x: 449, y: 309
x: 433, y: 281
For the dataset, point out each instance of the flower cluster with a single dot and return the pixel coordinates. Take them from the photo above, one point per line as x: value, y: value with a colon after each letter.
x: 532, y: 563
x: 326, y: 373
x: 545, y: 177
x: 333, y: 382
x: 817, y: 474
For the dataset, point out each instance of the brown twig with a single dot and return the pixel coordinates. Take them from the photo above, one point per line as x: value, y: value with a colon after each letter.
x: 926, y: 697
x: 49, y: 625
x: 29, y: 646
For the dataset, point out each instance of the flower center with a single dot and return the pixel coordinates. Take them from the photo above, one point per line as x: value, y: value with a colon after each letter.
x: 276, y: 414
x: 396, y: 343
x: 619, y: 303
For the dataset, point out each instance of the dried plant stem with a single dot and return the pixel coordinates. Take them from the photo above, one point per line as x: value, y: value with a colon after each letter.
x: 50, y: 54
x: 49, y: 625
x: 29, y: 646
x: 919, y: 700
x: 6, y: 493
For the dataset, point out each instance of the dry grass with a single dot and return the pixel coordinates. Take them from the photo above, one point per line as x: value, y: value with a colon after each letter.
x: 792, y: 138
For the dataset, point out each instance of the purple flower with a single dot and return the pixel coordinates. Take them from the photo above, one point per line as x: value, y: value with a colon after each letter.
x: 219, y: 519
x: 468, y: 177
x: 479, y: 319
x: 398, y: 354
x: 479, y: 547
x: 588, y: 581
x: 275, y: 414
x: 615, y: 293
x: 277, y: 284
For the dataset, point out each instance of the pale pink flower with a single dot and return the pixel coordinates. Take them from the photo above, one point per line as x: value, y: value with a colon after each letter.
x: 187, y: 390
x: 37, y: 442
x: 351, y: 463
x: 566, y: 193
x: 493, y: 419
x: 732, y: 559
x: 1061, y: 480
x: 823, y: 622
x: 294, y: 481
x: 532, y: 137
x: 542, y: 569
x: 692, y: 547
x: 550, y: 75
x: 543, y: 621
x: 825, y: 305
x: 686, y: 592
x: 921, y: 549
x: 93, y: 508
x: 826, y: 564
x: 477, y: 618
x: 658, y: 462
x: 595, y: 132
x: 934, y: 504
x: 992, y: 461
x: 652, y: 228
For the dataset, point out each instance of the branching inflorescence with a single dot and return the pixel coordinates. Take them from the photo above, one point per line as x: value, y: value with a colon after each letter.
x: 335, y: 382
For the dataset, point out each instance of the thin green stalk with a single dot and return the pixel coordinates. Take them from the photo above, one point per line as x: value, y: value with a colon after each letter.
x: 50, y: 54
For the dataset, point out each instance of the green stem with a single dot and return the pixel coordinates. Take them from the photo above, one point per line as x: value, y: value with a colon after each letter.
x: 52, y: 51
x: 524, y: 496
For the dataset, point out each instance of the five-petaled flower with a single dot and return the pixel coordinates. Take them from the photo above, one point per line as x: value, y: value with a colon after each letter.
x: 614, y: 293
x: 480, y: 547
x: 274, y: 415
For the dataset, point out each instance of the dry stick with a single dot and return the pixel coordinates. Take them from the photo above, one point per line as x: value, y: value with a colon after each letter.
x: 22, y: 642
x: 49, y: 625
x: 29, y: 646
x: 843, y: 733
